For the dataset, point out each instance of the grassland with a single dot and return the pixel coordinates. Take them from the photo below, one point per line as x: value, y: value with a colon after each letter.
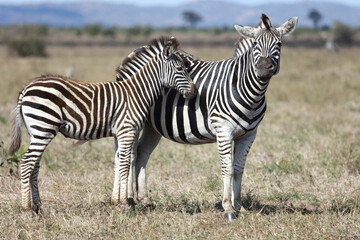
x: 301, y: 181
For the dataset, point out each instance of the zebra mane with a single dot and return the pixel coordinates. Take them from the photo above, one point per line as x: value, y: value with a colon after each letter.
x: 137, y: 59
x: 65, y: 78
x: 243, y: 44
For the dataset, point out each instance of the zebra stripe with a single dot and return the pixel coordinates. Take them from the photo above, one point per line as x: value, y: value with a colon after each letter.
x: 228, y: 108
x: 84, y: 110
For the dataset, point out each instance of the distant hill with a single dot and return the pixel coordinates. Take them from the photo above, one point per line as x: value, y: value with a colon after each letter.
x: 214, y: 13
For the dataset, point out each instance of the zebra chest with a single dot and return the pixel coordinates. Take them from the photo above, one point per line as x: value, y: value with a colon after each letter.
x: 236, y: 123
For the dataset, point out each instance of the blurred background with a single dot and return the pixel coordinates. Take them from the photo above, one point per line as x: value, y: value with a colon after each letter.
x: 28, y: 27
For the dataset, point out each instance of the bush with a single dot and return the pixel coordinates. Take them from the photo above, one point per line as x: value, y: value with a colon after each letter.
x: 343, y: 34
x: 147, y: 30
x: 109, y: 32
x: 93, y: 30
x: 139, y: 30
x: 32, y: 30
x: 28, y: 47
x: 216, y: 30
x: 11, y: 162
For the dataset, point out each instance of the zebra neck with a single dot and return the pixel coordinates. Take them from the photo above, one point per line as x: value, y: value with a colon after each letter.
x: 144, y: 87
x: 251, y: 88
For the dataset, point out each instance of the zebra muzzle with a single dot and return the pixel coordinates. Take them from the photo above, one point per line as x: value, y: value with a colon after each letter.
x: 192, y: 92
x: 265, y: 68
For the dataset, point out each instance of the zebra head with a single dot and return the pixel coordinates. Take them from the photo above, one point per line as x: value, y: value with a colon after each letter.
x: 267, y: 45
x: 175, y: 74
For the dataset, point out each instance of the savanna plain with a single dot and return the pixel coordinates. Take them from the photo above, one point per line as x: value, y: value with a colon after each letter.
x: 301, y: 180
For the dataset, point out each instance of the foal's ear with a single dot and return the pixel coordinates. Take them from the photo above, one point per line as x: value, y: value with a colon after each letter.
x: 169, y: 47
x: 288, y: 27
x: 247, y: 32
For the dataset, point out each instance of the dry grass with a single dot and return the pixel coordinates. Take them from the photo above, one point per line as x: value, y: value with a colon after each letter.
x: 301, y: 179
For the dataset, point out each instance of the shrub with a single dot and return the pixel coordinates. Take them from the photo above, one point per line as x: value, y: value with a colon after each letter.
x: 147, y: 30
x: 28, y: 47
x: 93, y: 30
x: 216, y: 30
x: 343, y: 34
x: 134, y: 31
x: 139, y: 30
x: 109, y: 32
x: 12, y: 162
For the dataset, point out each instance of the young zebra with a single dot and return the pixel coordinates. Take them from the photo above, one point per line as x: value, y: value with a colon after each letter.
x: 84, y: 110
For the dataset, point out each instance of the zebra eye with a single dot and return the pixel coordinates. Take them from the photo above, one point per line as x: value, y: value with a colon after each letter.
x: 276, y: 55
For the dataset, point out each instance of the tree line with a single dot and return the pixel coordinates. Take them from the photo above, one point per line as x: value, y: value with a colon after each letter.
x: 30, y: 40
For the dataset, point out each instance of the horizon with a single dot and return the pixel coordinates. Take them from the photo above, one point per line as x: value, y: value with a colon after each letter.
x: 217, y: 13
x: 174, y: 2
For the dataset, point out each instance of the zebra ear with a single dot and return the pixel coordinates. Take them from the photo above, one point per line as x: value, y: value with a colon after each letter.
x: 168, y: 49
x: 247, y: 32
x: 288, y: 27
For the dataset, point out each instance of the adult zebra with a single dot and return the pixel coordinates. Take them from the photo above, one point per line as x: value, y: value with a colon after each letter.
x: 84, y: 110
x: 228, y: 108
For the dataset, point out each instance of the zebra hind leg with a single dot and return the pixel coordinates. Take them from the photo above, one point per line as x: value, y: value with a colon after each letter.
x: 29, y: 168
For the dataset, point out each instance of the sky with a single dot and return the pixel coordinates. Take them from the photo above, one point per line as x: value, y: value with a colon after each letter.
x: 175, y: 2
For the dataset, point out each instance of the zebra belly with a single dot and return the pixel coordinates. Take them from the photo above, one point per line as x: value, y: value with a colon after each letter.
x: 188, y: 136
x: 181, y: 120
x: 75, y: 131
x: 183, y: 125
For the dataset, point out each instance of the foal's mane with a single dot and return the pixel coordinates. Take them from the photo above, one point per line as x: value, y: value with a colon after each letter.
x: 137, y: 59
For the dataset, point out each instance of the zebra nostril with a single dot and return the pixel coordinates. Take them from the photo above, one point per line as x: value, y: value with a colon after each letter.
x: 191, y: 93
x: 193, y: 89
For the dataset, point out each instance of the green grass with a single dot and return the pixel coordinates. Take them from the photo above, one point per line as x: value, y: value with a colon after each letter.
x: 301, y: 179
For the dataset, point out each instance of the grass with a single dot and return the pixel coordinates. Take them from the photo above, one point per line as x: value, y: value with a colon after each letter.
x: 301, y: 179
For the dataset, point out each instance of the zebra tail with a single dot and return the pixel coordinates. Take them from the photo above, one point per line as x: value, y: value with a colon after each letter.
x: 80, y: 142
x: 16, y: 130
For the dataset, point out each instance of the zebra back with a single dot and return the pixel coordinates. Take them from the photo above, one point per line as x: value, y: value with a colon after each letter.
x: 136, y: 59
x: 92, y: 108
x: 139, y: 57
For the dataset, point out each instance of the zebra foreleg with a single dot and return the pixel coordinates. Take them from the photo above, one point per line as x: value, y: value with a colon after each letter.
x: 121, y: 169
x: 241, y: 149
x: 133, y: 157
x: 130, y: 180
x: 147, y: 143
x: 116, y: 189
x: 224, y: 143
x: 115, y: 197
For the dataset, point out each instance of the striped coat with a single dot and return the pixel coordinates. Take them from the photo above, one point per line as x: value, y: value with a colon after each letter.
x: 227, y: 110
x: 84, y: 110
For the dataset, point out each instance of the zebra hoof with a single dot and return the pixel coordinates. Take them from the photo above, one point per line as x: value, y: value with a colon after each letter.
x: 26, y: 209
x: 115, y: 201
x: 122, y: 207
x: 131, y: 202
x: 37, y: 209
x: 230, y: 216
x: 146, y: 202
